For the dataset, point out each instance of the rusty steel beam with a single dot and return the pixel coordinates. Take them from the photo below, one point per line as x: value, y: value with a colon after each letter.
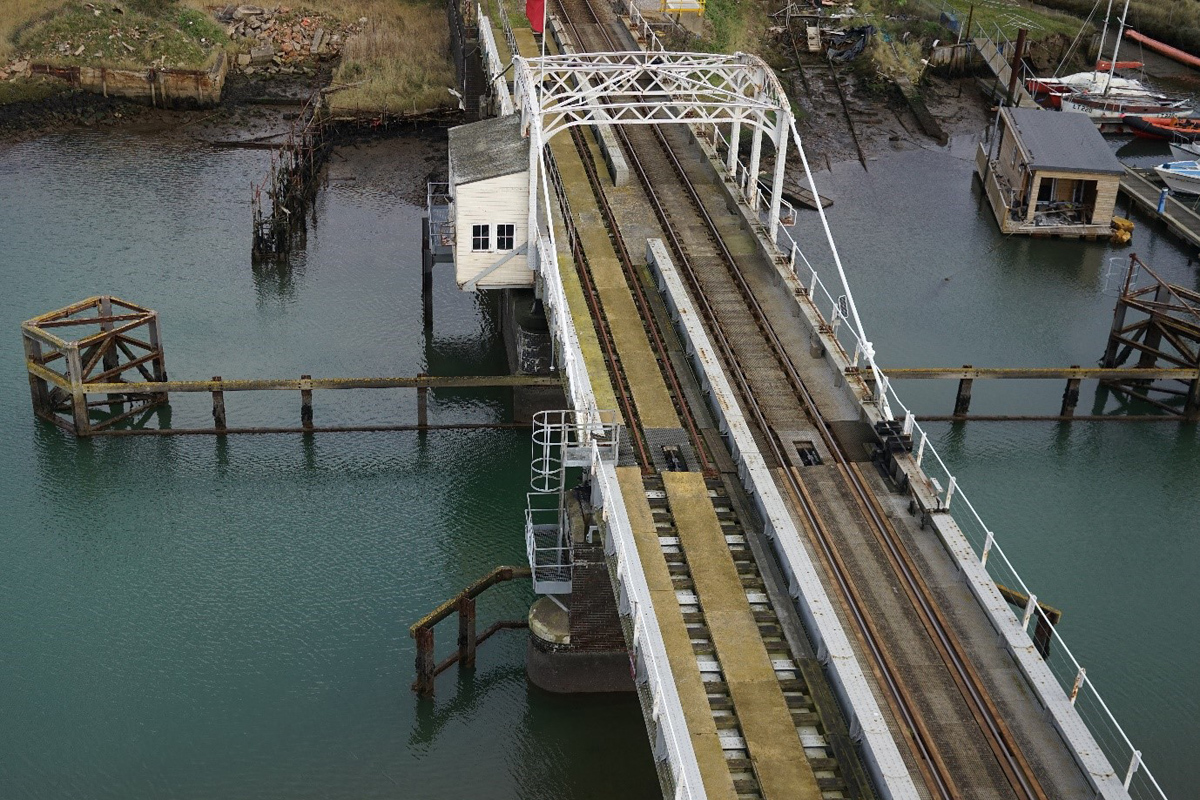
x: 1040, y: 373
x: 294, y: 384
x: 459, y: 426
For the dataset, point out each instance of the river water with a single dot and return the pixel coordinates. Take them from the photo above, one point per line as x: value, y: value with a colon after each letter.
x: 191, y: 618
x: 1100, y: 518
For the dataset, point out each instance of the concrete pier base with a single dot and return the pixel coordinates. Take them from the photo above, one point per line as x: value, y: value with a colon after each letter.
x: 554, y: 665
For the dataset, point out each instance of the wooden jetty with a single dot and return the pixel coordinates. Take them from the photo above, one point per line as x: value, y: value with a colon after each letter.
x: 1143, y: 188
x: 99, y: 362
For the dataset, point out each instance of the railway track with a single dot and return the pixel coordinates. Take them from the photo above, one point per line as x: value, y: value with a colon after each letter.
x: 861, y: 555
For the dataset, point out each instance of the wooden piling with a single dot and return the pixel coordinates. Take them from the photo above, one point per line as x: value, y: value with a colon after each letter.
x: 422, y: 405
x: 423, y: 685
x: 962, y: 401
x: 218, y: 409
x: 1015, y: 66
x: 306, y: 409
x: 466, y: 631
x: 1070, y: 397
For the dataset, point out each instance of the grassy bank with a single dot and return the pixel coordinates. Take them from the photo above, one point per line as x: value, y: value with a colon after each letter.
x: 133, y: 34
x: 1176, y: 22
x: 400, y: 61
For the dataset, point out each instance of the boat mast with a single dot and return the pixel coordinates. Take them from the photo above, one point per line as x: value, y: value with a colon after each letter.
x: 1112, y: 68
x: 1100, y: 49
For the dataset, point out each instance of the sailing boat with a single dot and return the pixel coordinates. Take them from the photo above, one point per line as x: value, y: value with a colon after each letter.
x: 1051, y: 91
x: 1108, y: 107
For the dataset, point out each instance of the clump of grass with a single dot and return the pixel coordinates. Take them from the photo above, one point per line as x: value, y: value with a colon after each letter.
x: 16, y: 15
x: 734, y: 26
x: 399, y: 63
x: 146, y: 32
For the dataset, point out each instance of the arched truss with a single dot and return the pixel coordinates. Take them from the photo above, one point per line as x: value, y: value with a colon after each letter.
x: 558, y: 92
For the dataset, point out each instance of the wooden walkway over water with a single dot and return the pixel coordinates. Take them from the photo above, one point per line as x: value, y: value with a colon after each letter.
x: 1143, y: 188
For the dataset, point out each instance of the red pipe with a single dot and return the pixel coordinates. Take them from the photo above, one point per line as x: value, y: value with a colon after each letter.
x: 1163, y: 49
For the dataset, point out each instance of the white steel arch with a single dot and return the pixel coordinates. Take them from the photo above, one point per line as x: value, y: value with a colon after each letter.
x: 558, y: 92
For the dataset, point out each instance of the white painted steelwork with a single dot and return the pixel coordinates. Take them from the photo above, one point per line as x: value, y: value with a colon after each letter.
x: 805, y: 585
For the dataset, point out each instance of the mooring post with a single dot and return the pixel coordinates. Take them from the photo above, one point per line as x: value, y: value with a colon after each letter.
x: 1015, y: 65
x: 158, y: 364
x: 422, y: 404
x: 1118, y: 324
x: 962, y: 402
x: 83, y: 425
x: 424, y: 682
x: 1191, y: 405
x: 466, y: 631
x: 218, y: 398
x: 39, y: 391
x: 306, y: 410
x: 1070, y: 396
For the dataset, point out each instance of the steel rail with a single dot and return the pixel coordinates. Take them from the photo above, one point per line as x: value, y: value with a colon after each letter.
x: 1008, y: 755
x: 643, y: 304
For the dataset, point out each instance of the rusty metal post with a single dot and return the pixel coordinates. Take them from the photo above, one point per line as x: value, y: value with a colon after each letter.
x: 83, y: 425
x: 1070, y: 396
x: 962, y: 402
x: 424, y: 683
x: 466, y: 631
x: 1015, y: 66
x: 218, y: 398
x: 306, y: 410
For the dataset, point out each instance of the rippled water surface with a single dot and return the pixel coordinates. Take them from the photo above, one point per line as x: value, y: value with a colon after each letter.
x: 1100, y: 518
x: 191, y: 618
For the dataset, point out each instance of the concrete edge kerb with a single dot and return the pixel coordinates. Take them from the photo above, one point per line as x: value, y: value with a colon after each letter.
x: 804, y: 584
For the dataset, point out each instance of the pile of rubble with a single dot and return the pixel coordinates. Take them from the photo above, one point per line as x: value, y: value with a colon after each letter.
x: 18, y: 68
x: 280, y: 39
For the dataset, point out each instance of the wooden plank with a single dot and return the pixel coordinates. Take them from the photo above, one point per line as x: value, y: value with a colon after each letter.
x: 293, y: 384
x: 1042, y: 373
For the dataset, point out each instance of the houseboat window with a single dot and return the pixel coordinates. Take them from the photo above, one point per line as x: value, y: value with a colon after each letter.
x: 481, y: 237
x: 1047, y: 189
x: 504, y: 236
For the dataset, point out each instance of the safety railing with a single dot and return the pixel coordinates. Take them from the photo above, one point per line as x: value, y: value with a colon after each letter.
x: 548, y: 543
x: 492, y: 66
x: 438, y: 204
x: 833, y: 312
x: 563, y: 438
x: 641, y: 28
x: 669, y: 737
x: 509, y: 36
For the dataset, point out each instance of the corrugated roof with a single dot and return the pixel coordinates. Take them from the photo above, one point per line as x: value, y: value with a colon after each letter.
x: 1062, y: 140
x: 489, y: 148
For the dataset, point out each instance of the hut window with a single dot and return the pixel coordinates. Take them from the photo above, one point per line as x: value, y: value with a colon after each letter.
x: 481, y: 237
x: 504, y: 236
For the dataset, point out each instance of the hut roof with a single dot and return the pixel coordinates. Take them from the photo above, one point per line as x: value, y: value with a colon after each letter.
x: 487, y: 149
x: 1064, y: 141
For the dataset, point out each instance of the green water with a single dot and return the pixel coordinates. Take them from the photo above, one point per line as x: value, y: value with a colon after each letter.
x: 1099, y: 518
x: 192, y: 618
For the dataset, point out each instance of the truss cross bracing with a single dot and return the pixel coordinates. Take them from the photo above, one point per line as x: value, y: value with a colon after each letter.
x: 652, y: 88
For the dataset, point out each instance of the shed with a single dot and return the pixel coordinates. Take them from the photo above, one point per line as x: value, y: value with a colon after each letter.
x: 1049, y: 173
x: 489, y: 197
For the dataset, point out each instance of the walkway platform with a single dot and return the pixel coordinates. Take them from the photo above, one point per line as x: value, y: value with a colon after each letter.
x: 1143, y: 188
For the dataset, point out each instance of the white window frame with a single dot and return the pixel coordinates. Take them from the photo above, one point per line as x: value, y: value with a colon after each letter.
x: 512, y: 237
x: 483, y: 232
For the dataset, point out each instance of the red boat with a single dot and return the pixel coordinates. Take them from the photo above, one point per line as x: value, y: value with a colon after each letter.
x: 1171, y: 129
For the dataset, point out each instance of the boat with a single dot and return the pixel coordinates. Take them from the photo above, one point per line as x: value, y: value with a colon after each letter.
x: 1109, y: 108
x: 1185, y: 151
x: 1053, y: 90
x: 1172, y: 129
x: 1180, y: 176
x: 1112, y: 110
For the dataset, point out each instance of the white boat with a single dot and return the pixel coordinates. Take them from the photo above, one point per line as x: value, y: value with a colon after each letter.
x: 1185, y: 151
x: 1109, y: 106
x: 1181, y: 176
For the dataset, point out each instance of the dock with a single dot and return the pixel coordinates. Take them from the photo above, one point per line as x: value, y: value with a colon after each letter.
x: 1143, y: 188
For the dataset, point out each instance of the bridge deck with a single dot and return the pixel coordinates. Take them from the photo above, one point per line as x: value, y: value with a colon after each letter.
x: 767, y: 726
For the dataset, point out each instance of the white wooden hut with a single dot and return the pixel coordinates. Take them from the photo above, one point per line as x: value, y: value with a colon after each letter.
x: 1049, y: 173
x: 489, y: 190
